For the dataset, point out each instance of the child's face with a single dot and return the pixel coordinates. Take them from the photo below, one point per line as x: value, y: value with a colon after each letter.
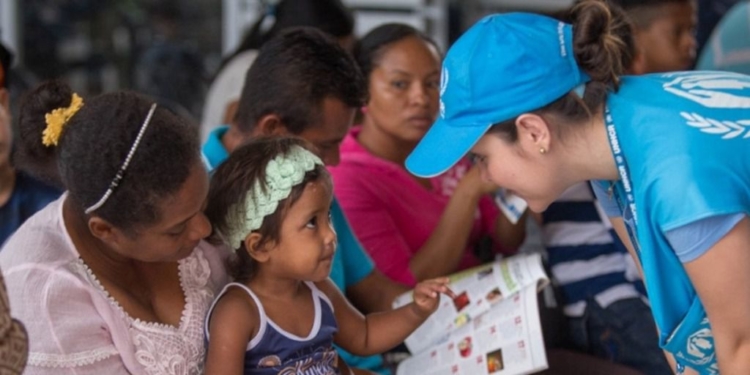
x: 307, y: 240
x: 668, y: 43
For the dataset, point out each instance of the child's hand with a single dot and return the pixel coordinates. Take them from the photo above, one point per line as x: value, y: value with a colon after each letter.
x: 427, y: 295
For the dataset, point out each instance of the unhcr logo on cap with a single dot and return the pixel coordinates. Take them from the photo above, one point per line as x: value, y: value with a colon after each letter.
x: 444, y: 76
x: 561, y: 39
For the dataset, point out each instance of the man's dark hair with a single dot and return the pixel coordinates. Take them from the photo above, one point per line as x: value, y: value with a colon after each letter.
x: 292, y: 75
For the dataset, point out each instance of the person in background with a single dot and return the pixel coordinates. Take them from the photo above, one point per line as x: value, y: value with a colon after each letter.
x: 664, y: 33
x: 21, y: 195
x: 112, y: 277
x: 330, y: 16
x: 667, y: 153
x: 728, y: 49
x: 171, y: 69
x: 414, y: 229
x: 14, y: 342
x: 710, y: 12
x: 305, y: 84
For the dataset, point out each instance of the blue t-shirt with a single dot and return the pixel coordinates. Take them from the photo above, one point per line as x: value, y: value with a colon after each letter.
x: 680, y: 141
x: 689, y: 241
x: 350, y: 262
x: 214, y: 152
x: 28, y: 197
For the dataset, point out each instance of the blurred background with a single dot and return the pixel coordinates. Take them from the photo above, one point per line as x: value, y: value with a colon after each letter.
x: 101, y: 46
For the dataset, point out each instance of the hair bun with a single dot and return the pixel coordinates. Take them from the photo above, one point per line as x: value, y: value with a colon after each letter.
x: 32, y: 155
x: 602, y: 40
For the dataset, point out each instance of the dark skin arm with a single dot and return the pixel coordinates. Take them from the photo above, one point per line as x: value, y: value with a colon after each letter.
x: 228, y: 342
x: 379, y: 332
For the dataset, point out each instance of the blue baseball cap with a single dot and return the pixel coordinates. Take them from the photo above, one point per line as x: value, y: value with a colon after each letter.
x: 503, y: 66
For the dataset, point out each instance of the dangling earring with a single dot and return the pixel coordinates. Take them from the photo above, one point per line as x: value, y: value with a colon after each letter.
x: 363, y: 109
x: 542, y: 150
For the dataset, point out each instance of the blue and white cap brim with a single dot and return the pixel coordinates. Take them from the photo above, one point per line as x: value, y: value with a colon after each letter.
x: 442, y: 147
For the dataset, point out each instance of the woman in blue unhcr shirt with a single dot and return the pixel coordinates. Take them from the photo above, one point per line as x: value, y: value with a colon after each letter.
x: 542, y: 106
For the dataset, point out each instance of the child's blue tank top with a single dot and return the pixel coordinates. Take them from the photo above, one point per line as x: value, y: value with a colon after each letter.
x: 275, y: 351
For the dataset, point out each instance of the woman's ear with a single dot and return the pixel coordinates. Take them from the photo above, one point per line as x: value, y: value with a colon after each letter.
x: 106, y: 232
x: 534, y: 134
x: 255, y: 247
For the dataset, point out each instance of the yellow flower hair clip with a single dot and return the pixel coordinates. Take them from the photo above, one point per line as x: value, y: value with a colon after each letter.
x: 57, y: 119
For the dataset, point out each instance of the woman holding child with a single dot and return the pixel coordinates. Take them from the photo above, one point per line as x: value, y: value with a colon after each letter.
x: 543, y: 106
x: 113, y: 278
x: 413, y: 228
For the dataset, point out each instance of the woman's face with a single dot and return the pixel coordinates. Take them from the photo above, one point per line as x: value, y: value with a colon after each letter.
x: 180, y: 228
x: 404, y: 89
x: 523, y: 171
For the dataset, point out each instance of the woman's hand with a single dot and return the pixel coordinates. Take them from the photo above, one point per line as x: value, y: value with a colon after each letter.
x: 473, y: 181
x: 427, y: 295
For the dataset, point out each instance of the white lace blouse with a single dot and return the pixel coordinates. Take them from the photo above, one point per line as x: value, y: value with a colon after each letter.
x: 74, y: 324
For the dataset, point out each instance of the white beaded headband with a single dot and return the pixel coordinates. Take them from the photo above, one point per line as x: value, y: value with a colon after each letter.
x: 118, y: 177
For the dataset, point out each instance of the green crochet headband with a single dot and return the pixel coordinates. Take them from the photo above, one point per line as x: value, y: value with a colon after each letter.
x: 283, y: 172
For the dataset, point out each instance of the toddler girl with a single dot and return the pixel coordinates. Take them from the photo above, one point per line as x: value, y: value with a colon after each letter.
x: 270, y: 202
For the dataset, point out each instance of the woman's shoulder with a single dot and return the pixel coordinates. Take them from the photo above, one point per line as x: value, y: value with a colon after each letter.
x: 216, y: 255
x: 355, y: 158
x: 41, y: 241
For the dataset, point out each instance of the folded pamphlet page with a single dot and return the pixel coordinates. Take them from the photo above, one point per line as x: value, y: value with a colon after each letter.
x: 491, y: 327
x: 511, y: 205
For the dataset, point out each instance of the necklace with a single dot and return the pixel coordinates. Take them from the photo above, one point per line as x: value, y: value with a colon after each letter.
x: 611, y: 189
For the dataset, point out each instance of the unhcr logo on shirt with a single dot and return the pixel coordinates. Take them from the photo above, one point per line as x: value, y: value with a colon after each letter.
x: 711, y: 89
x: 714, y: 90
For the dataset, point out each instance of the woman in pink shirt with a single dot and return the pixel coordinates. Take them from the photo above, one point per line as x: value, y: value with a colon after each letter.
x: 413, y: 228
x: 113, y: 278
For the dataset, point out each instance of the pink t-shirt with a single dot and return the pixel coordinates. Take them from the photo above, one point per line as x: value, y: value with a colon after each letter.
x: 76, y: 327
x: 393, y: 215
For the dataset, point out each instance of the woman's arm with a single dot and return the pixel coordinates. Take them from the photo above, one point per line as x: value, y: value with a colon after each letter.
x: 232, y: 324
x: 443, y: 250
x: 375, y: 292
x: 382, y: 236
x: 510, y: 236
x: 721, y: 277
x: 619, y: 226
x: 66, y: 328
x: 378, y: 332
